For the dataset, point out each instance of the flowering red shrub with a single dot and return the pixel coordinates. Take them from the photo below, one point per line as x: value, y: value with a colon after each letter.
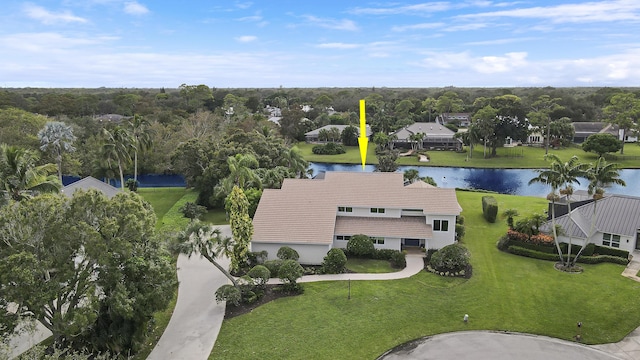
x: 540, y: 239
x: 517, y: 236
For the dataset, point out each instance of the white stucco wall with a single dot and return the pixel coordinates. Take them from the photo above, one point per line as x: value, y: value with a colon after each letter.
x: 366, y: 212
x: 627, y: 243
x: 442, y: 238
x: 310, y: 254
x: 389, y: 243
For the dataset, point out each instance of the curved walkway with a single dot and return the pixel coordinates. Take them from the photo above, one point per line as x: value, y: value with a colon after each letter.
x: 197, y: 318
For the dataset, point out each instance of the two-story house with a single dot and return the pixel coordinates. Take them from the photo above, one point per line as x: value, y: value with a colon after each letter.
x: 314, y: 215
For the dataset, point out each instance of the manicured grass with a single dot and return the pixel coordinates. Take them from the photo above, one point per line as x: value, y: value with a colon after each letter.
x: 369, y: 266
x: 216, y: 217
x: 162, y: 199
x: 516, y: 157
x: 506, y: 292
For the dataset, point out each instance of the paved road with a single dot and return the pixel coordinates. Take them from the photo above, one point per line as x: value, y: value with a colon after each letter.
x: 197, y: 318
x: 485, y: 345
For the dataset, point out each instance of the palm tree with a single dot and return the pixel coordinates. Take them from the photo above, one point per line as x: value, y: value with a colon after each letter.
x: 57, y: 137
x: 118, y: 146
x: 600, y: 175
x: 20, y: 175
x: 141, y: 135
x: 411, y: 175
x: 560, y: 176
x: 207, y: 241
x: 510, y: 214
x: 292, y: 158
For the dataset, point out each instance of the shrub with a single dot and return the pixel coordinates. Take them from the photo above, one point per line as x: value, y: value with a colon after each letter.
x: 383, y: 254
x: 132, y: 184
x: 273, y: 266
x: 192, y: 211
x: 257, y: 258
x: 460, y: 219
x: 287, y: 253
x: 489, y: 208
x: 452, y: 257
x: 260, y: 275
x: 398, y: 259
x: 334, y: 262
x: 460, y: 230
x: 329, y: 149
x: 518, y: 250
x: 229, y: 293
x: 361, y: 246
x: 289, y: 273
x: 605, y: 250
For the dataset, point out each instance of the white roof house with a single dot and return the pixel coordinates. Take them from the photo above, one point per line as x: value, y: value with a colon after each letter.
x: 436, y: 136
x: 90, y: 183
x: 315, y: 215
x: 313, y: 136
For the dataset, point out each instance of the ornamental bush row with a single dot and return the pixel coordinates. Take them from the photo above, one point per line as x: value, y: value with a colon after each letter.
x: 597, y: 259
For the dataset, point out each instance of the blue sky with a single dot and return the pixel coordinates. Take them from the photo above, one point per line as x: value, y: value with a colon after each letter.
x: 144, y: 43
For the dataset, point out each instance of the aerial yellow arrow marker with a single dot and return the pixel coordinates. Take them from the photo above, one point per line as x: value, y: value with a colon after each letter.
x: 363, y: 140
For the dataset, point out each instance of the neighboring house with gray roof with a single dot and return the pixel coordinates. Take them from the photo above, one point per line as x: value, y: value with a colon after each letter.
x: 90, y: 183
x: 617, y: 223
x: 436, y: 136
x: 314, y: 215
x: 314, y: 135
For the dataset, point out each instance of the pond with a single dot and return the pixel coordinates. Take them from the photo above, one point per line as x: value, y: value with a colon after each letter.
x: 505, y: 181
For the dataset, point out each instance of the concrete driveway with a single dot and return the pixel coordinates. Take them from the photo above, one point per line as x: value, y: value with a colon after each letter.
x: 197, y: 318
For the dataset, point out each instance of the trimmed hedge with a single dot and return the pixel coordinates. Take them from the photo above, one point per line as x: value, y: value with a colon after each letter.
x: 329, y: 149
x: 519, y: 250
x: 490, y: 208
x: 604, y: 250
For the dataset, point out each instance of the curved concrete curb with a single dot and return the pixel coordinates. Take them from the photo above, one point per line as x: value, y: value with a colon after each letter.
x: 479, y: 345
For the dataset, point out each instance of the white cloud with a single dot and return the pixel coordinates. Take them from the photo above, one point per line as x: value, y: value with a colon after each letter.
x: 246, y: 38
x: 338, y: 46
x: 135, y: 8
x: 422, y: 26
x: 500, y: 64
x: 404, y: 9
x: 48, y: 42
x: 595, y: 11
x: 333, y: 24
x: 48, y: 17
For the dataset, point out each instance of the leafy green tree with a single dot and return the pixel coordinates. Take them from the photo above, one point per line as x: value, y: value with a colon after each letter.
x: 541, y: 115
x: 90, y: 269
x: 411, y: 175
x: 449, y: 102
x: 20, y: 128
x: 454, y: 257
x: 241, y: 227
x: 291, y: 158
x: 429, y: 104
x: 602, y: 144
x: 196, y: 96
x: 623, y: 111
x: 600, y: 175
x: 57, y: 138
x: 484, y: 125
x: 20, y: 177
x: 387, y: 161
x: 561, y: 132
x: 349, y: 136
x: 260, y: 275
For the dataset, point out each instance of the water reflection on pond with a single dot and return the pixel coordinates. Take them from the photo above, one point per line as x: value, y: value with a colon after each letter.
x: 505, y: 181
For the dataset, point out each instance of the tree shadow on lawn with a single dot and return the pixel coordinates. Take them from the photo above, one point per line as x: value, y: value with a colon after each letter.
x: 271, y: 292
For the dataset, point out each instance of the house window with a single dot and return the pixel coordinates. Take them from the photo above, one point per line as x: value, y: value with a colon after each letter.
x: 377, y: 210
x: 343, y: 237
x: 378, y: 240
x: 611, y: 240
x: 440, y: 225
x: 345, y: 209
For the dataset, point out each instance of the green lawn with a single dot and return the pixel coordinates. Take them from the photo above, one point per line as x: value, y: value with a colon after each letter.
x: 516, y: 157
x: 369, y: 266
x: 162, y: 199
x: 216, y: 217
x: 506, y: 292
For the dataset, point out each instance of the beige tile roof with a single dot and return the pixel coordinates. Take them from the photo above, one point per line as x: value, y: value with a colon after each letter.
x: 406, y: 227
x: 304, y: 210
